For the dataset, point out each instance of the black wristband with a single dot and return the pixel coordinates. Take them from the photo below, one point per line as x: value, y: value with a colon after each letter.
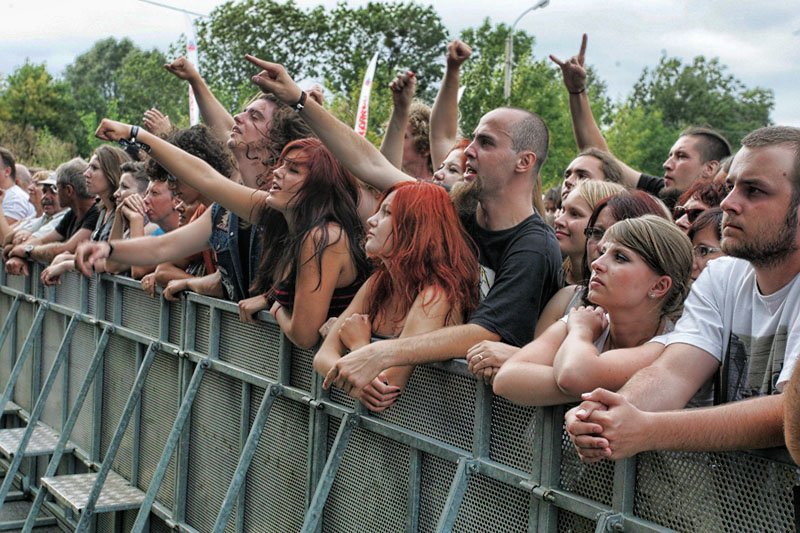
x: 577, y: 92
x: 134, y: 133
x: 300, y: 103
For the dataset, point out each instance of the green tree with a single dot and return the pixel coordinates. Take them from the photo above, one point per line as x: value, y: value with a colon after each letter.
x: 702, y: 93
x: 640, y: 138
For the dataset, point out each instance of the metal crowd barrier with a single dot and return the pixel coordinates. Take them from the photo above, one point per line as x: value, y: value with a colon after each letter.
x: 258, y: 446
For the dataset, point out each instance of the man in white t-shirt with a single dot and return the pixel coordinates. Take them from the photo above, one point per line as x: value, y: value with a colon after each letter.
x: 15, y: 201
x: 741, y: 318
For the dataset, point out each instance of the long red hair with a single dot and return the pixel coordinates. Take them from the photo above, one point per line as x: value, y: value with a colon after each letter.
x: 430, y: 248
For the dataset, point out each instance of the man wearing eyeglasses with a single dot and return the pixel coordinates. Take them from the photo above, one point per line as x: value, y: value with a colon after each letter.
x: 52, y: 212
x: 75, y: 227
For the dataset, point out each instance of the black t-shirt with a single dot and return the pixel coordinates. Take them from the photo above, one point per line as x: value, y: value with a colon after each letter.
x: 70, y: 224
x: 520, y: 271
x: 650, y: 184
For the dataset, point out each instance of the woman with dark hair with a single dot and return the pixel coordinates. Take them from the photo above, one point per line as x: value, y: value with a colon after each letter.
x: 706, y: 234
x: 639, y: 284
x: 313, y: 260
x: 702, y: 195
x: 426, y: 277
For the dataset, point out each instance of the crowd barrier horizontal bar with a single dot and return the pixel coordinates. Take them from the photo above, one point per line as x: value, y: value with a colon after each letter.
x: 233, y: 432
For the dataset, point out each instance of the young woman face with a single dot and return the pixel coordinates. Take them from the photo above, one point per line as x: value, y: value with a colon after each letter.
x: 451, y: 169
x: 127, y: 186
x: 379, y: 230
x: 705, y: 247
x: 96, y: 181
x: 287, y: 180
x: 604, y: 221
x: 570, y: 225
x: 620, y: 277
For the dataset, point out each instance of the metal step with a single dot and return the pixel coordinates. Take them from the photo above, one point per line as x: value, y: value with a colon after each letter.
x: 73, y: 491
x: 11, y: 409
x: 43, y: 441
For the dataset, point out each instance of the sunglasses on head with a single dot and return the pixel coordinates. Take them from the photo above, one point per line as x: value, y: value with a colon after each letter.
x: 691, y: 214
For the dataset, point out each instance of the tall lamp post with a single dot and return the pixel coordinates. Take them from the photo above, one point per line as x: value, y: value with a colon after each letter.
x: 510, y: 48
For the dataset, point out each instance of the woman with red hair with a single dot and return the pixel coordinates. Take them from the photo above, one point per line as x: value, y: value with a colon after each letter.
x: 426, y: 277
x: 452, y: 168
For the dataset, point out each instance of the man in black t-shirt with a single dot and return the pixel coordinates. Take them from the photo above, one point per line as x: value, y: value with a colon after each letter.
x: 76, y: 226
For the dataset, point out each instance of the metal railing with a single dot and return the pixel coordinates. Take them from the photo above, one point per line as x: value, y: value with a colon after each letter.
x: 232, y: 432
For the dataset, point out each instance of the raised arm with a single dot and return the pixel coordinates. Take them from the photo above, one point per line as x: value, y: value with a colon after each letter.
x: 349, y: 148
x: 403, y: 88
x: 145, y: 251
x: 587, y: 133
x: 214, y: 115
x: 191, y: 170
x: 444, y: 114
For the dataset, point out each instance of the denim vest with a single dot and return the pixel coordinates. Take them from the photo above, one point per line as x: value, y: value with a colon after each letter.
x: 224, y: 241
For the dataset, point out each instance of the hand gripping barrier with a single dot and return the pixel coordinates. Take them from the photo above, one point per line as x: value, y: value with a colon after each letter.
x: 230, y: 431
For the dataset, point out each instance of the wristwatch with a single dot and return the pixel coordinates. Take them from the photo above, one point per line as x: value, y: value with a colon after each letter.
x: 28, y: 250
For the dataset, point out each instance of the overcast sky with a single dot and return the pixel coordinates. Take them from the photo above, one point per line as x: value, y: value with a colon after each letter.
x: 759, y: 42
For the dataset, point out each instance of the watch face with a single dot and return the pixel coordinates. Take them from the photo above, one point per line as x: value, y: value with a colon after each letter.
x: 28, y: 249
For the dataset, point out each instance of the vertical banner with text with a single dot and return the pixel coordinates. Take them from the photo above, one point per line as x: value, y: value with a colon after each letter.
x: 363, y: 101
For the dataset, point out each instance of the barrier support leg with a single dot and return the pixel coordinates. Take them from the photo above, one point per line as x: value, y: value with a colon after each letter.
x: 10, y: 320
x: 172, y: 443
x: 37, y: 411
x: 116, y: 441
x: 247, y: 456
x: 466, y: 467
x: 66, y: 431
x: 314, y: 513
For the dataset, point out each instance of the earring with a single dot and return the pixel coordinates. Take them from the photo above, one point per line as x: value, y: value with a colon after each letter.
x: 652, y: 295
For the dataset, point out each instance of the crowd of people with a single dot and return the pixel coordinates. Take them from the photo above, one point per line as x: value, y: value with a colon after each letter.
x: 637, y: 296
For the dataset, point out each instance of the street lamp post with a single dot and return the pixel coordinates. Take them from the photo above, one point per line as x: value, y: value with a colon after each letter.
x: 510, y: 49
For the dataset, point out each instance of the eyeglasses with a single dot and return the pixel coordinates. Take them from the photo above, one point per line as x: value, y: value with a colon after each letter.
x: 701, y: 250
x: 594, y: 234
x: 691, y: 214
x: 49, y: 187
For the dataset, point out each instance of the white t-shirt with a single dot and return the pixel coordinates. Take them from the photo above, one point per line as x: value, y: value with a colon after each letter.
x: 749, y: 333
x: 16, y: 204
x: 43, y: 225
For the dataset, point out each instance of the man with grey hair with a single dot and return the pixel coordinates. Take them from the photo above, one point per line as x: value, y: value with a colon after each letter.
x: 740, y: 323
x: 76, y: 226
x: 15, y: 200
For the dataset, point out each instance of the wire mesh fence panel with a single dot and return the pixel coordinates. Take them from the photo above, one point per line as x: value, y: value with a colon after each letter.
x: 23, y: 387
x: 491, y: 506
x: 302, y: 370
x: 82, y: 349
x: 435, y: 479
x: 119, y: 372
x: 591, y: 480
x: 253, y: 347
x: 201, y: 329
x: 213, y: 449
x: 512, y: 436
x: 140, y: 312
x: 52, y: 334
x: 68, y: 292
x: 175, y: 322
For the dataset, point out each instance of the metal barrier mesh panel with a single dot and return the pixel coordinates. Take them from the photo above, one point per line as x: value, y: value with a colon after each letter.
x: 68, y: 292
x: 715, y: 492
x: 592, y: 480
x: 489, y: 505
x: 80, y: 356
x: 91, y: 301
x: 119, y: 373
x: 435, y: 479
x: 105, y: 522
x: 111, y: 295
x: 159, y: 410
x: 253, y: 347
x: 437, y: 404
x: 158, y: 526
x: 175, y: 316
x: 569, y: 522
x: 6, y: 349
x: 337, y: 395
x: 53, y: 331
x: 373, y: 473
x: 275, y: 486
x: 512, y: 436
x: 140, y: 312
x: 201, y: 329
x: 213, y: 449
x: 16, y: 282
x: 22, y: 390
x: 302, y: 371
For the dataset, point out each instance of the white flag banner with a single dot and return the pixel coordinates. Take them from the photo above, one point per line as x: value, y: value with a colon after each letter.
x: 363, y: 101
x: 191, y: 55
